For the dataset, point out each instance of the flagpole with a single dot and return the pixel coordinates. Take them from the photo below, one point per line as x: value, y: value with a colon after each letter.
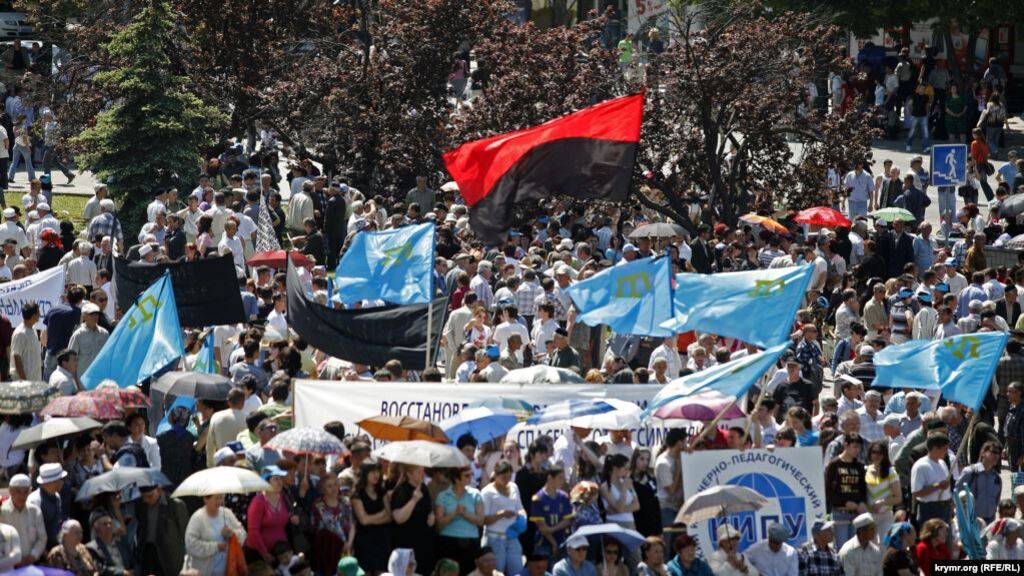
x: 750, y: 417
x: 711, y: 425
x: 430, y: 321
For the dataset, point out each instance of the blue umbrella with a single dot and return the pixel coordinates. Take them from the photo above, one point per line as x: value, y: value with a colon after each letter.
x: 484, y: 424
x: 629, y: 538
x: 569, y: 409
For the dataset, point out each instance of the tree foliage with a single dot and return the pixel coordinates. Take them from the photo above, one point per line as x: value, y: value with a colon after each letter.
x: 732, y: 121
x: 150, y: 137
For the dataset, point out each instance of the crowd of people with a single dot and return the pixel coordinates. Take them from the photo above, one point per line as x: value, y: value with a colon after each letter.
x: 895, y: 459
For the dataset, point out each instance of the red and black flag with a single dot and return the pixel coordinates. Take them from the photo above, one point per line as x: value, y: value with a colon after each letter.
x: 587, y: 154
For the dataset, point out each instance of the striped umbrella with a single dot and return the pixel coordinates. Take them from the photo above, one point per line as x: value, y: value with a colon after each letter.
x: 521, y: 408
x: 569, y: 409
x: 307, y: 440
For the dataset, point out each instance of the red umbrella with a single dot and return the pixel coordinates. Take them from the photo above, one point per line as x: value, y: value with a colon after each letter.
x: 823, y: 216
x: 90, y: 406
x: 276, y: 259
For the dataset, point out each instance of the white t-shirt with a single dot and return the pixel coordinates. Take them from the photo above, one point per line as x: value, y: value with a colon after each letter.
x: 495, y: 502
x: 506, y: 329
x: 927, y: 472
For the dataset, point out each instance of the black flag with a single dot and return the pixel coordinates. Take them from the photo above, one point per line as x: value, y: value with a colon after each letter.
x: 372, y: 336
x: 205, y: 290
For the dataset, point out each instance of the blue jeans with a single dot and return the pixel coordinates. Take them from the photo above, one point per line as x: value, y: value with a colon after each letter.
x: 507, y: 552
x: 992, y: 134
x: 20, y: 152
x: 947, y: 207
x: 844, y: 526
x: 857, y: 208
x: 918, y: 123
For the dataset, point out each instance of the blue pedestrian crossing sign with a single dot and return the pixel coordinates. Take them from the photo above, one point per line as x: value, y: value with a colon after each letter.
x: 949, y: 165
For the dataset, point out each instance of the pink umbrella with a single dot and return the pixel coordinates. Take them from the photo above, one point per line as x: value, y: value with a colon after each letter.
x: 703, y: 406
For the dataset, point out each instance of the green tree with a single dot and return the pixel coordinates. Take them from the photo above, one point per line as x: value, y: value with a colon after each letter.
x: 151, y: 136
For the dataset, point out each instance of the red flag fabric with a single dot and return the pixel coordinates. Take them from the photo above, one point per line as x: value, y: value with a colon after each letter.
x: 588, y: 154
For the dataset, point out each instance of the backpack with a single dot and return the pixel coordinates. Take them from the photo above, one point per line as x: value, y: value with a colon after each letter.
x: 141, y: 461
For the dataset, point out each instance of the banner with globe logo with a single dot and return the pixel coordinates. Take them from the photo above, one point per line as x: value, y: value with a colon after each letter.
x: 790, y: 478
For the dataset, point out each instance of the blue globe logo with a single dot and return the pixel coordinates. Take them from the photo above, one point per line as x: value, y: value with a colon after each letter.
x: 753, y: 525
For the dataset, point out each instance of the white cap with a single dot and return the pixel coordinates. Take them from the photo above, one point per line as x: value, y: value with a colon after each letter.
x: 863, y: 521
x: 576, y: 541
x: 43, y: 206
x: 726, y: 531
x: 90, y: 308
x: 98, y: 186
x: 565, y: 244
x: 20, y: 481
x: 145, y: 250
x: 10, y: 213
x: 223, y: 454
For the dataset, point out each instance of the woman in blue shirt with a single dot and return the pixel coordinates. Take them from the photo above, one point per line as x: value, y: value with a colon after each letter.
x: 459, y: 510
x: 686, y: 562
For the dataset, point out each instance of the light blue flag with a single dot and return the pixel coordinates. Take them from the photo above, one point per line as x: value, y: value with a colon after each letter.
x: 206, y: 361
x: 634, y: 298
x: 961, y: 366
x: 394, y: 265
x: 733, y: 378
x: 147, y: 340
x: 756, y: 307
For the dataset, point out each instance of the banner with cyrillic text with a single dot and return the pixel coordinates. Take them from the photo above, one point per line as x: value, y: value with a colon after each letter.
x: 320, y: 401
x: 790, y: 478
x: 44, y: 288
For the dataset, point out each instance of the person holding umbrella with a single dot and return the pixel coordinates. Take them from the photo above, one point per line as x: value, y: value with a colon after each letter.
x: 207, y: 536
x: 726, y: 561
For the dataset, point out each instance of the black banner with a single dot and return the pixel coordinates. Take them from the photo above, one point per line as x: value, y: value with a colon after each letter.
x: 205, y: 290
x: 372, y: 336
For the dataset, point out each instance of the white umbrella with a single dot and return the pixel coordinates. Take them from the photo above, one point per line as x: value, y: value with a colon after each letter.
x: 717, y: 501
x: 423, y: 453
x: 542, y: 374
x: 221, y: 480
x: 53, y: 428
x: 625, y: 416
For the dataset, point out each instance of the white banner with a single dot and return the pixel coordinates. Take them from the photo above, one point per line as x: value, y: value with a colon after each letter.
x: 790, y: 478
x: 317, y: 402
x: 44, y: 288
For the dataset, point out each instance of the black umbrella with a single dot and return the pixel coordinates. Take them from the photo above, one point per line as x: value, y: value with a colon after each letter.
x: 1012, y: 206
x: 120, y: 478
x: 658, y: 230
x: 25, y: 396
x: 195, y: 384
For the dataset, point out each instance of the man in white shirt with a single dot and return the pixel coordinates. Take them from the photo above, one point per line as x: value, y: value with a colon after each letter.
x: 157, y: 205
x: 509, y: 326
x: 774, y: 557
x: 277, y: 318
x: 45, y: 221
x: 859, y: 186
x: 219, y: 214
x: 10, y: 229
x: 481, y: 285
x: 860, y: 555
x: 92, y: 206
x: 26, y: 352
x: 26, y: 518
x: 543, y: 330
x: 871, y: 417
x: 230, y: 241
x: 568, y: 445
x: 81, y: 270
x: 670, y: 353
x: 892, y: 427
x: 65, y: 377
x: 930, y: 480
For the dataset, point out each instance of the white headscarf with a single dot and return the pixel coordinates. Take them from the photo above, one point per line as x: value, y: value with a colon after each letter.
x: 398, y: 564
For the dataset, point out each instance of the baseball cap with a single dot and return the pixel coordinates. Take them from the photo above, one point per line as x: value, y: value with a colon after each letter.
x: 822, y: 524
x: 576, y: 542
x: 941, y: 287
x: 905, y: 293
x: 493, y: 352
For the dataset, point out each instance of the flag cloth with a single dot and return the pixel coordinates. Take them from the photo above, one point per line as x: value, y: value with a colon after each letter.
x: 206, y: 290
x: 266, y: 238
x: 634, y: 298
x: 733, y: 378
x: 147, y: 339
x: 756, y: 307
x: 587, y: 154
x: 394, y: 265
x: 371, y: 336
x: 961, y: 366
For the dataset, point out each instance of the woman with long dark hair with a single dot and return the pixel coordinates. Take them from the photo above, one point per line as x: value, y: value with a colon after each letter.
x: 883, y: 485
x: 640, y: 471
x: 373, y: 520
